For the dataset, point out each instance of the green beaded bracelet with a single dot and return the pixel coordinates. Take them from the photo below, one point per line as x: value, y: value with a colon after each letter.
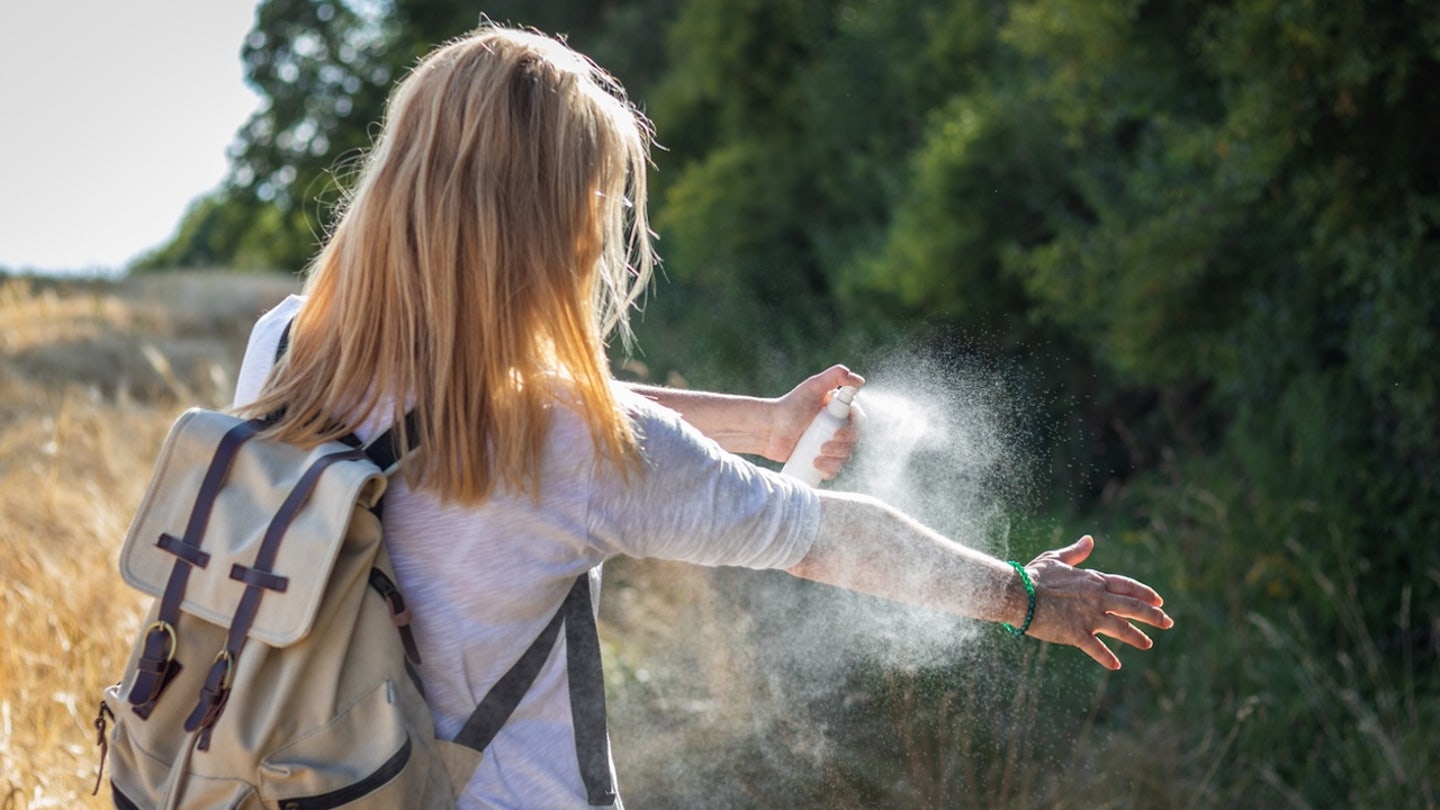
x: 1030, y: 593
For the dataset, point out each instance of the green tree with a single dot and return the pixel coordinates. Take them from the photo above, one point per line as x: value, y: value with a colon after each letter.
x: 1232, y: 208
x: 324, y: 69
x: 1260, y: 214
x: 787, y: 129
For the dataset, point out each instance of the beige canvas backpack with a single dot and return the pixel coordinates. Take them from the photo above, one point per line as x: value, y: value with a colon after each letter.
x: 276, y: 668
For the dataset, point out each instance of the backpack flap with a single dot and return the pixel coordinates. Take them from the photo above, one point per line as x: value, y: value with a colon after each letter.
x: 314, y: 492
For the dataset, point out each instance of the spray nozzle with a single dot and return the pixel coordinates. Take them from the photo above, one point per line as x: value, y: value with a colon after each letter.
x: 839, y: 404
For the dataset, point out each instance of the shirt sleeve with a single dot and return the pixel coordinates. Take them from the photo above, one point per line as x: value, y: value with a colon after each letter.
x: 689, y: 500
x: 260, y: 351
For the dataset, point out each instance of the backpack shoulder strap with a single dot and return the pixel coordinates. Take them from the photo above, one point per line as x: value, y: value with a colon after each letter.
x: 587, y: 692
x: 284, y: 340
x: 385, y: 449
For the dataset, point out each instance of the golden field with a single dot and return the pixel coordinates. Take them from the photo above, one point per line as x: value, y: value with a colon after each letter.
x: 91, y: 375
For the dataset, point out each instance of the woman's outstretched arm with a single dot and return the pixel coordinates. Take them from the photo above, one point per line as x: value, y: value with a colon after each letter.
x: 865, y: 545
x: 767, y: 427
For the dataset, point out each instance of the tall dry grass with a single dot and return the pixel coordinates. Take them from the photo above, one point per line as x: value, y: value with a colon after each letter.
x: 91, y: 375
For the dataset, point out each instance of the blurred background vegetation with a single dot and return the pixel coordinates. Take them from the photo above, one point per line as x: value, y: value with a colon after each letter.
x: 1209, y: 235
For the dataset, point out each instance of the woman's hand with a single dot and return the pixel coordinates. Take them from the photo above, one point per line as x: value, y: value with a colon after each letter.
x: 793, y: 412
x: 768, y: 427
x: 1076, y: 606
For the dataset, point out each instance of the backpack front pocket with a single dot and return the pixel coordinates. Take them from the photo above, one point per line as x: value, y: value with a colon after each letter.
x: 366, y: 757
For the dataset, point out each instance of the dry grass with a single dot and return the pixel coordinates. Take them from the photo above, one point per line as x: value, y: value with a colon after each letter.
x: 91, y: 374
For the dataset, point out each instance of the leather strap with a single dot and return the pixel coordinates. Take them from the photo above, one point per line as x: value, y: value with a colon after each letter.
x: 157, y: 666
x: 259, y: 578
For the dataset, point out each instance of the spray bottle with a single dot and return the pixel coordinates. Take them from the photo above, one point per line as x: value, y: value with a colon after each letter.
x: 830, y: 419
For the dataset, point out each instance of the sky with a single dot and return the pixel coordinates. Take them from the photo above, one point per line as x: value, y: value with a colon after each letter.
x: 115, y: 116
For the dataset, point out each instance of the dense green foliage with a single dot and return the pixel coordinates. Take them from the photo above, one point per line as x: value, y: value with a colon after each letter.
x: 1209, y: 234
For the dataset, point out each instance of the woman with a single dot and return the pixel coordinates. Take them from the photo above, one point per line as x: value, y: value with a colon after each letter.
x: 496, y: 238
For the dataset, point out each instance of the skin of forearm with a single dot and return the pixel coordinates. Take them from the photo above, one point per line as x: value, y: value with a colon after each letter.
x: 734, y: 422
x: 867, y: 546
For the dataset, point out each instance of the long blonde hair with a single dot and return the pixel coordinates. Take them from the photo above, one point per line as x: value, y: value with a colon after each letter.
x: 496, y: 238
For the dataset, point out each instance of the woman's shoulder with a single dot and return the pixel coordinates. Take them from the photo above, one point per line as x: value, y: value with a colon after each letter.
x: 260, y: 350
x: 265, y: 335
x: 281, y: 313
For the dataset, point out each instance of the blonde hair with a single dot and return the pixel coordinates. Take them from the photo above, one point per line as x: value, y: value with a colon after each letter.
x: 496, y: 238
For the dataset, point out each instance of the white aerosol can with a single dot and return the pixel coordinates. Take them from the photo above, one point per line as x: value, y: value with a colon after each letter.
x: 830, y: 419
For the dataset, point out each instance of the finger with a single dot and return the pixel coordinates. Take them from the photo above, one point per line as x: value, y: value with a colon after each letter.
x: 829, y: 466
x: 1125, y: 586
x: 858, y: 418
x: 1124, y: 631
x: 842, y: 445
x: 1096, y: 649
x: 847, y: 436
x: 1140, y: 611
x: 1076, y: 552
x: 836, y: 376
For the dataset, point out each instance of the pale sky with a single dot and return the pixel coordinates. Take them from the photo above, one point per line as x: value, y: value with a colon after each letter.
x: 114, y: 116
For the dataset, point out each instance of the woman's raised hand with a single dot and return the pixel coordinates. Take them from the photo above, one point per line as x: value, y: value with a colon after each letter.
x: 793, y: 412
